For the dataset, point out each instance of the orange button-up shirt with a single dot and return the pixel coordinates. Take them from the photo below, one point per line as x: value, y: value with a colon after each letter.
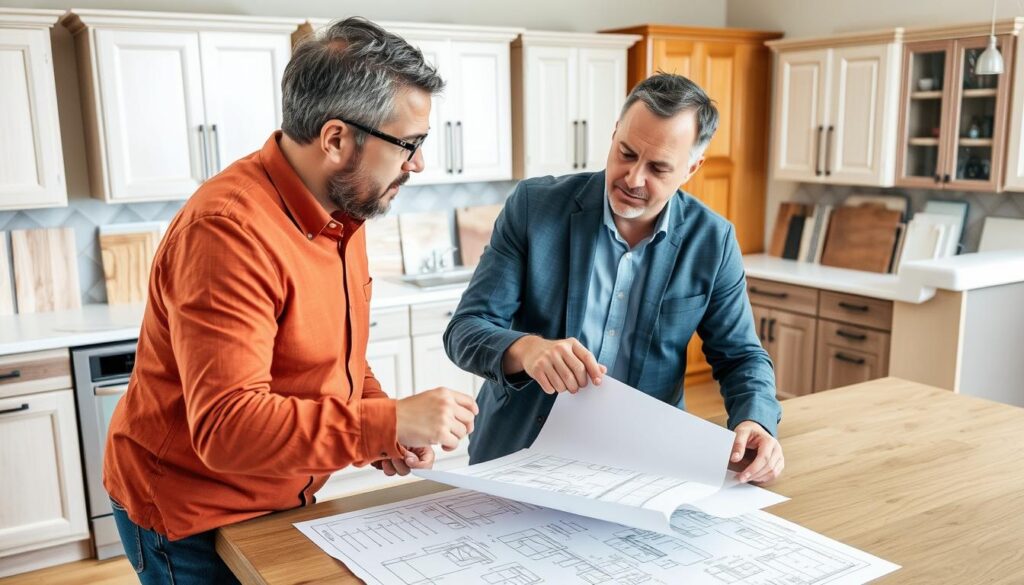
x: 250, y: 384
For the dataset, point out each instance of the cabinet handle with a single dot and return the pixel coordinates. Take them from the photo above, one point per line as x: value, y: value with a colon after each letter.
x: 462, y: 151
x: 448, y: 141
x: 853, y: 336
x: 206, y: 155
x: 11, y: 375
x: 575, y: 144
x: 585, y: 149
x: 21, y: 408
x: 938, y: 178
x: 945, y: 178
x: 852, y: 307
x: 771, y: 330
x: 449, y: 314
x: 768, y: 293
x: 850, y: 360
x: 760, y: 330
x: 817, y: 152
x: 215, y: 147
x: 828, y: 151
x: 373, y: 323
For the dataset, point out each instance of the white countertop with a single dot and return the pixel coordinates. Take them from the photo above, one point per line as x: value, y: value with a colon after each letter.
x: 101, y: 323
x: 916, y: 282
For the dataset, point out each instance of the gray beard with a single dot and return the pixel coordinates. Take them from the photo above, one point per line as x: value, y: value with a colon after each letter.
x: 351, y: 191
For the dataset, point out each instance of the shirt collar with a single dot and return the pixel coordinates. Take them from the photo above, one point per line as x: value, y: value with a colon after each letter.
x: 660, y: 228
x: 305, y: 210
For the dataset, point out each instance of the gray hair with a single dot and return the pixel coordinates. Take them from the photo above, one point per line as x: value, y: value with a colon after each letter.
x: 667, y: 94
x: 353, y: 69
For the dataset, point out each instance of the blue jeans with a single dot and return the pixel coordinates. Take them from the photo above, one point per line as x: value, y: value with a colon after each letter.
x: 158, y: 561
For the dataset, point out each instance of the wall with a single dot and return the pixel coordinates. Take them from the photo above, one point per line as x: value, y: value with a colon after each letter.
x: 803, y: 18
x: 86, y: 214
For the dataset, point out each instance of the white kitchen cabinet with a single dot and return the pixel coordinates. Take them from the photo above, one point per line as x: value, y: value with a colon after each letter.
x: 42, y: 497
x: 31, y: 160
x: 1015, y: 153
x: 836, y: 108
x: 568, y: 90
x: 170, y: 99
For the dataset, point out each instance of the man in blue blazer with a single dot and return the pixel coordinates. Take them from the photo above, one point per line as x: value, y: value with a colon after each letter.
x: 611, y: 273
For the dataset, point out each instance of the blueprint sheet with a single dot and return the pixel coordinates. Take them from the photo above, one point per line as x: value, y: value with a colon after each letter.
x: 461, y: 536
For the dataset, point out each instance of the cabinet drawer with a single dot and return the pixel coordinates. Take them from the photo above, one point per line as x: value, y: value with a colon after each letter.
x: 28, y: 373
x: 788, y: 297
x: 843, y: 335
x: 432, y: 317
x: 849, y: 355
x: 856, y: 310
x: 389, y: 324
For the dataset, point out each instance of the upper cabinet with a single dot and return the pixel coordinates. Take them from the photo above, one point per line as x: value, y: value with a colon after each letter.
x: 470, y: 135
x: 1015, y: 156
x: 836, y: 109
x: 568, y: 89
x: 31, y: 160
x: 169, y: 100
x: 953, y: 124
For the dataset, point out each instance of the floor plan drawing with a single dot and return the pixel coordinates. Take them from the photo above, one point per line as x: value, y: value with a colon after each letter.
x: 461, y: 536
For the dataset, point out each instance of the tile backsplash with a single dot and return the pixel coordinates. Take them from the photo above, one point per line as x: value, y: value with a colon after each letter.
x: 86, y: 215
x: 980, y: 205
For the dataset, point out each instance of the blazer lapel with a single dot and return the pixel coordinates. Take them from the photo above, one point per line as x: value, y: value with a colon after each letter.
x: 663, y: 259
x: 584, y: 224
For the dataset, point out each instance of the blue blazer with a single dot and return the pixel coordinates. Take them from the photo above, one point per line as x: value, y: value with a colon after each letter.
x: 533, y: 278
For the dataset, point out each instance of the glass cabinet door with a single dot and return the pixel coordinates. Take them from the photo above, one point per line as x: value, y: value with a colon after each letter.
x: 977, y: 119
x: 927, y: 68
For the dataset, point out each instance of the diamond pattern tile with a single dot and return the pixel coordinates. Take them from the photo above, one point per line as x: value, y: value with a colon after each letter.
x: 85, y: 215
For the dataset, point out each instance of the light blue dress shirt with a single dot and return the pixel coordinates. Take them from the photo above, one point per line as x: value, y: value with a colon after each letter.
x: 615, y: 292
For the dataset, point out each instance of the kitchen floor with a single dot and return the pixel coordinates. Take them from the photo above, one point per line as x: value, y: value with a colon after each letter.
x: 703, y: 400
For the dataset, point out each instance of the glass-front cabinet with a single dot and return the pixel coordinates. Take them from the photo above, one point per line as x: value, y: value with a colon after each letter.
x: 953, y: 122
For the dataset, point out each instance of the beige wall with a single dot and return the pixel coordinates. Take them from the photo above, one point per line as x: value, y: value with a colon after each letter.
x: 805, y: 18
x: 570, y: 15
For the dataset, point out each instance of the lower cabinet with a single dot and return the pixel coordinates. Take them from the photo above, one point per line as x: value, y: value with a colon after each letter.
x: 42, y: 496
x: 819, y: 340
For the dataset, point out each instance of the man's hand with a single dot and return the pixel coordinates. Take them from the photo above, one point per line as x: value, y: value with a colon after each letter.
x: 767, y: 462
x: 439, y: 416
x: 558, y: 366
x: 415, y: 458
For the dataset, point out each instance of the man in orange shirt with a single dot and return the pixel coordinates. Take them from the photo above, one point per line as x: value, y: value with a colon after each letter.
x: 251, y: 384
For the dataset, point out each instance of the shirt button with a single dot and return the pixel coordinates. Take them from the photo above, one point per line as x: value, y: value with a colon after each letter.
x: 611, y: 333
x: 620, y: 296
x: 540, y: 420
x: 309, y: 236
x: 383, y: 454
x: 629, y: 255
x: 332, y: 225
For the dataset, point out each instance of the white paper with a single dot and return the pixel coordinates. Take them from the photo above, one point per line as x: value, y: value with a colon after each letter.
x: 616, y: 454
x: 461, y: 536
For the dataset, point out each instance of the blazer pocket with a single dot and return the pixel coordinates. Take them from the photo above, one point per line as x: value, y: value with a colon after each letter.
x: 368, y: 290
x: 679, y: 305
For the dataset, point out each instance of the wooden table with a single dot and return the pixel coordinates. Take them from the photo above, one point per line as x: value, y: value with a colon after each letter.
x: 927, y: 479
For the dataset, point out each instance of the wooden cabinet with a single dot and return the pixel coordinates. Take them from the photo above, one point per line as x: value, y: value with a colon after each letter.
x: 836, y: 109
x: 568, y: 90
x: 953, y: 122
x: 42, y: 497
x: 470, y: 136
x: 168, y: 102
x: 1015, y: 146
x: 31, y: 160
x: 820, y: 340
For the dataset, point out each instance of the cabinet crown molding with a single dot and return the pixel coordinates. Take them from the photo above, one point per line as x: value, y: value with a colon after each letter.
x: 77, y: 20
x: 891, y: 35
x: 699, y: 33
x: 28, y: 18
x: 1012, y: 26
x: 571, y: 39
x: 427, y: 30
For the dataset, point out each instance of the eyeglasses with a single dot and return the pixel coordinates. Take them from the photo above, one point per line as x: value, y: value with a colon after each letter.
x: 412, y: 146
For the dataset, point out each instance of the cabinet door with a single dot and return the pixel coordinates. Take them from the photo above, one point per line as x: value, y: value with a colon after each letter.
x: 791, y: 339
x: 927, y: 87
x: 31, y: 161
x: 840, y: 365
x: 552, y: 119
x: 480, y: 79
x: 242, y: 91
x: 152, y: 100
x: 602, y: 81
x: 432, y: 368
x: 798, y: 126
x: 861, y: 131
x: 391, y: 361
x: 437, y: 149
x: 1015, y: 158
x: 42, y: 497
